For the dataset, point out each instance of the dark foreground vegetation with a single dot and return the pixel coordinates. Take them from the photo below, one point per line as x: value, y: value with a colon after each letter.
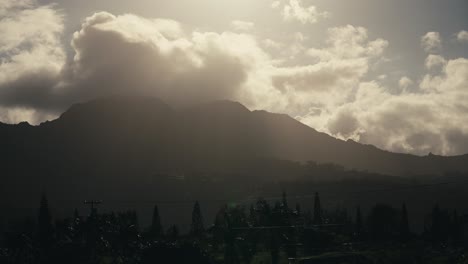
x: 265, y: 231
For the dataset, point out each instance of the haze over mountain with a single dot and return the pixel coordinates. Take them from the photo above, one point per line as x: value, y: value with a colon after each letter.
x: 145, y: 136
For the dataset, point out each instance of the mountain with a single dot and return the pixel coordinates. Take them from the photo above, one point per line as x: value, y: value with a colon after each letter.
x: 145, y: 135
x: 133, y: 152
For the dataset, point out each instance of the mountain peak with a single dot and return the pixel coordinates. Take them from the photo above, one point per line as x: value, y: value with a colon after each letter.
x: 224, y: 108
x: 224, y: 105
x: 120, y: 107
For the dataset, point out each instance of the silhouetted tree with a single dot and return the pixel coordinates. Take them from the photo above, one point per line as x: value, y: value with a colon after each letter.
x: 274, y: 247
x: 230, y: 254
x: 171, y: 253
x: 156, y: 227
x: 252, y: 216
x: 264, y: 212
x: 456, y: 229
x: 284, y: 202
x: 439, y: 225
x: 45, y: 228
x: 318, y: 218
x: 76, y: 215
x: 197, y: 227
x: 277, y: 214
x: 358, y: 222
x: 298, y: 209
x: 173, y: 232
x: 404, y: 224
x: 308, y: 218
x: 133, y: 218
x: 383, y: 222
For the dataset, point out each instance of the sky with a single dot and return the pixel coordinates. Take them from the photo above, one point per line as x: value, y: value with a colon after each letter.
x: 393, y: 74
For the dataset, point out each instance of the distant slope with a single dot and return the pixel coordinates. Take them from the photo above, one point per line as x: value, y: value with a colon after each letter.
x: 144, y: 135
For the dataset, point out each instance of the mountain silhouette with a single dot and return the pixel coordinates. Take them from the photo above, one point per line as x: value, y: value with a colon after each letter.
x: 121, y: 149
x: 145, y: 135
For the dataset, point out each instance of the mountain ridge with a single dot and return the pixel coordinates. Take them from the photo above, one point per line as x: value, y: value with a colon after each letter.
x: 221, y: 130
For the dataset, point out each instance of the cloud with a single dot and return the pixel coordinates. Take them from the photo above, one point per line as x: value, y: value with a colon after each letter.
x: 462, y: 36
x: 431, y: 42
x: 349, y: 42
x: 433, y: 61
x: 344, y: 124
x: 431, y: 121
x: 143, y: 58
x: 337, y: 69
x: 405, y: 83
x: 8, y: 5
x: 293, y: 10
x: 453, y: 77
x: 239, y: 25
x: 334, y: 96
x: 275, y: 4
x: 314, y: 91
x: 31, y: 54
x: 112, y: 54
x: 271, y: 44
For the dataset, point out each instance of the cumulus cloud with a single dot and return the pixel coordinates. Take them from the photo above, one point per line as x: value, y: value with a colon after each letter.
x: 275, y: 4
x: 433, y: 61
x: 431, y: 42
x: 344, y: 124
x: 293, y: 10
x: 118, y: 55
x: 429, y: 120
x: 349, y: 42
x: 313, y: 91
x: 452, y: 78
x: 239, y: 25
x: 432, y: 121
x: 31, y: 55
x: 8, y: 5
x: 142, y: 58
x: 462, y: 36
x: 405, y: 83
x: 271, y: 44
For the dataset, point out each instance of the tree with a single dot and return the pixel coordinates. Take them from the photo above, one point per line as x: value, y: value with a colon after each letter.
x: 440, y: 225
x: 156, y: 227
x: 76, y: 214
x: 263, y: 212
x: 252, y: 216
x: 285, y: 202
x: 358, y: 222
x: 456, y: 229
x: 404, y: 225
x: 133, y: 219
x: 274, y: 247
x: 76, y: 220
x: 45, y: 228
x: 383, y: 222
x: 197, y: 227
x: 173, y: 232
x: 318, y: 218
x: 298, y: 209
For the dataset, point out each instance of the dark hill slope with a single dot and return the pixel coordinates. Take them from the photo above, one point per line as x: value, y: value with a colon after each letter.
x: 144, y: 135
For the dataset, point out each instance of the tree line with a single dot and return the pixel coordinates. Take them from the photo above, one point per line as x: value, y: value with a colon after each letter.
x: 262, y: 232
